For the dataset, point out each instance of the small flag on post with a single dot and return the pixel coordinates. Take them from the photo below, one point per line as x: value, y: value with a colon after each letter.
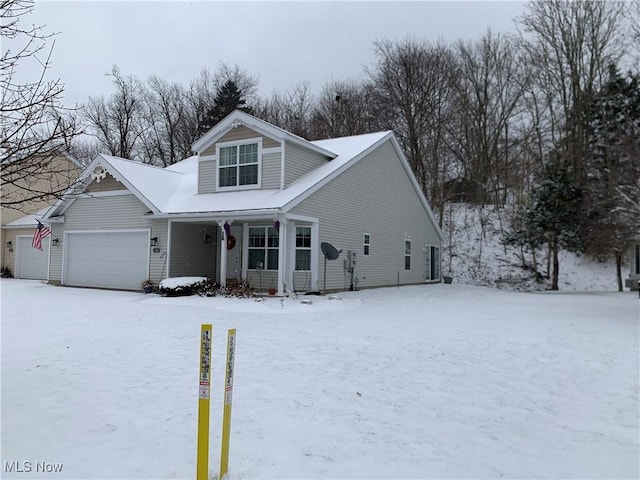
x: 42, y: 231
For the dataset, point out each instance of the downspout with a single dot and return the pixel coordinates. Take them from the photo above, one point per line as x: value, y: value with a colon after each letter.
x: 168, y: 256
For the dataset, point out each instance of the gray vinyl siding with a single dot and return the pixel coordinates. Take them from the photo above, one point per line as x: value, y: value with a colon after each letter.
x: 271, y: 170
x: 241, y: 133
x: 206, y: 176
x: 190, y: 255
x: 374, y: 196
x: 266, y: 279
x: 270, y: 173
x: 120, y: 212
x: 302, y: 279
x: 298, y: 161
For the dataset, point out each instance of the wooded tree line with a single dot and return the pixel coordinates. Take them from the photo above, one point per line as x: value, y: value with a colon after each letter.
x: 491, y: 121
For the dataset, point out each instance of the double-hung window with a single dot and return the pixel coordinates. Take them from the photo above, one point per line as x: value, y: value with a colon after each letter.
x: 366, y: 243
x: 407, y: 254
x: 238, y: 165
x: 263, y: 248
x: 303, y: 248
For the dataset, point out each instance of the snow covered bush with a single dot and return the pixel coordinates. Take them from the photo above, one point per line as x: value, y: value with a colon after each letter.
x: 205, y: 287
x: 181, y: 286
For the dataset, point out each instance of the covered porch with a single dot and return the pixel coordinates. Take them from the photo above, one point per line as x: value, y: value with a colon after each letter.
x: 268, y: 251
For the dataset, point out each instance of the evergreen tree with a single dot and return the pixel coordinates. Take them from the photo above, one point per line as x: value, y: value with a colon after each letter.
x: 228, y: 98
x: 553, y: 215
x: 613, y: 167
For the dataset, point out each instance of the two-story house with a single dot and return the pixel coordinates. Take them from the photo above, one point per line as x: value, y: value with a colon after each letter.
x: 255, y: 203
x: 27, y: 198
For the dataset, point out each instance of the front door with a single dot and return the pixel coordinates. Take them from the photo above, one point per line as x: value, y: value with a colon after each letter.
x: 234, y: 254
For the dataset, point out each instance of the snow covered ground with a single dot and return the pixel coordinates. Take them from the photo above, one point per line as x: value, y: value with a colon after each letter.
x: 442, y: 381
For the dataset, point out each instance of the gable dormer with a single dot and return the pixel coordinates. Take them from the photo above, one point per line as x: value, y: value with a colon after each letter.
x: 245, y: 153
x: 240, y: 159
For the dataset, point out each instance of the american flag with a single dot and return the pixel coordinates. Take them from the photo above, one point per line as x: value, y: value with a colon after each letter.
x: 42, y: 231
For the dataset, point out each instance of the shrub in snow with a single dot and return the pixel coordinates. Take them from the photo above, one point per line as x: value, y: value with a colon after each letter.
x: 238, y: 290
x: 205, y: 287
x: 6, y: 272
x: 180, y: 286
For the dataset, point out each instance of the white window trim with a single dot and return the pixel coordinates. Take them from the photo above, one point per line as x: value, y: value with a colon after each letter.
x: 308, y: 249
x: 237, y: 143
x: 366, y: 244
x: 405, y: 254
x: 266, y: 248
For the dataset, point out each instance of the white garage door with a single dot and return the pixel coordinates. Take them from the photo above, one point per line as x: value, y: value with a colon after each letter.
x: 106, y: 259
x: 31, y: 262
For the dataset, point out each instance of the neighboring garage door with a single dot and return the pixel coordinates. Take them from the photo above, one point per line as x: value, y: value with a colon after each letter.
x: 30, y: 262
x: 106, y: 259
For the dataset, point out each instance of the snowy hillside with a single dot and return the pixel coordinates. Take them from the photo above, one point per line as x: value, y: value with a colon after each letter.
x: 474, y: 254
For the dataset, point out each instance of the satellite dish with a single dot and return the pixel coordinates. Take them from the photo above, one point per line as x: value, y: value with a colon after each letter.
x: 329, y: 251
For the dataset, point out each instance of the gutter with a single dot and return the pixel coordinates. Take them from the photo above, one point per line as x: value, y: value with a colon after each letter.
x: 230, y: 214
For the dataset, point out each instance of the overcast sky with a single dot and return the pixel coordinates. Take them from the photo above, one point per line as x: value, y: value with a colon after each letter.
x: 281, y: 43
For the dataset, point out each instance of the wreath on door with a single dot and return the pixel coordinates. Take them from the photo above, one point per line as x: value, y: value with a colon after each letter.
x: 231, y: 242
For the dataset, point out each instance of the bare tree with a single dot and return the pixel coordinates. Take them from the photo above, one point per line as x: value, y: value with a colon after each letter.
x: 413, y: 96
x: 344, y: 107
x: 572, y: 44
x: 489, y: 91
x: 290, y: 109
x: 201, y: 94
x: 84, y: 150
x: 34, y: 126
x: 632, y: 15
x: 117, y: 121
x: 164, y: 117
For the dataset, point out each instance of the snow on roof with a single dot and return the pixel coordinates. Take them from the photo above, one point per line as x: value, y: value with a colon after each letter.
x: 27, y: 220
x: 187, y: 199
x: 150, y: 181
x: 174, y: 189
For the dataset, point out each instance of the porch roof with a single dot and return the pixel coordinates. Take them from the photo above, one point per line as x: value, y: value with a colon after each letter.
x: 27, y: 220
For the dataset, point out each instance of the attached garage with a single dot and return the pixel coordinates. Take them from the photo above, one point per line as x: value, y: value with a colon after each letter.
x: 106, y: 259
x: 31, y: 263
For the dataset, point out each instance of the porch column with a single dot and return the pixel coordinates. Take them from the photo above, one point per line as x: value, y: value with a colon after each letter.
x: 315, y: 245
x: 168, y: 256
x: 245, y: 250
x: 290, y: 256
x: 282, y: 246
x: 223, y: 252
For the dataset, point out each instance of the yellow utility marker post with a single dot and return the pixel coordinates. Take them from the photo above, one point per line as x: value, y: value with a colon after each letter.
x: 228, y: 392
x: 202, y: 462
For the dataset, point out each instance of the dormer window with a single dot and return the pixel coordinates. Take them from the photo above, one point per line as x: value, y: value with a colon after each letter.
x: 239, y: 164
